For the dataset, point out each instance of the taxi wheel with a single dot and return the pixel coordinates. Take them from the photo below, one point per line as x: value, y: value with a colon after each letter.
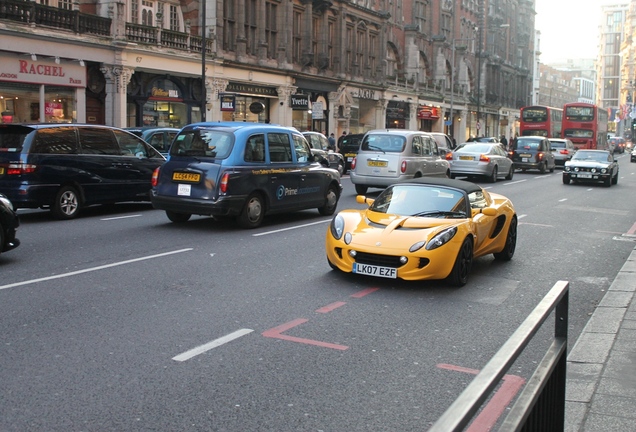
x: 463, y: 264
x: 511, y: 242
x: 253, y: 212
x: 542, y: 168
x: 178, y: 217
x: 361, y: 190
x: 67, y: 203
x: 341, y: 168
x: 331, y: 202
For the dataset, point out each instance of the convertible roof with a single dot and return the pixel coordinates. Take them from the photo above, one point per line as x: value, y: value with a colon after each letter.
x: 467, y: 187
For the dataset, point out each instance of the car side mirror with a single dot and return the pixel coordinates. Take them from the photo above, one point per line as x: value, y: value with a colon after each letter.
x: 361, y: 199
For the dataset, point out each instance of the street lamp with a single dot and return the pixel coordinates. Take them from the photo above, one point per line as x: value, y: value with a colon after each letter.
x: 204, y: 95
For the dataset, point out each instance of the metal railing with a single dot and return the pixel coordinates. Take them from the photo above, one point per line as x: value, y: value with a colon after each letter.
x: 541, y: 405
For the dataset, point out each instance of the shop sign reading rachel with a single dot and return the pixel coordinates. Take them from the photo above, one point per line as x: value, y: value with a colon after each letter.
x: 41, y: 72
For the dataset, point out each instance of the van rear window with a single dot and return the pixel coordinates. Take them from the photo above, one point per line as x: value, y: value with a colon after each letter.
x: 12, y: 137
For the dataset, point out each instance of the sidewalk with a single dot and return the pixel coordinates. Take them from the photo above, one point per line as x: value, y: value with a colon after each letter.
x: 601, y: 368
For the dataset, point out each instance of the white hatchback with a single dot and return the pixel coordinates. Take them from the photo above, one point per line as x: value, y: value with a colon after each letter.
x: 389, y: 156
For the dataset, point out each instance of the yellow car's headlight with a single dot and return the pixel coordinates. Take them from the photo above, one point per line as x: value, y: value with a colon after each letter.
x: 337, y: 227
x: 441, y: 238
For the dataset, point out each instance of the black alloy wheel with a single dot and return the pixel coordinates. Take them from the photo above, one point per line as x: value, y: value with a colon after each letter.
x: 463, y: 263
x: 511, y: 242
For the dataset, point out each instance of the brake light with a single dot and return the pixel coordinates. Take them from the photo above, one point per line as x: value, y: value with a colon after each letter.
x: 224, y: 182
x: 564, y: 151
x: 154, y: 181
x: 353, y: 163
x: 403, y: 167
x: 20, y: 168
x: 539, y: 156
x: 484, y: 158
x: 449, y: 156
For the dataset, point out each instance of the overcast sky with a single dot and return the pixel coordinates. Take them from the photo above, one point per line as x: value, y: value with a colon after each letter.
x: 569, y: 28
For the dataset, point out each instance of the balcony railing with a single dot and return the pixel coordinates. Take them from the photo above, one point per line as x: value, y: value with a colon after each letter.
x: 143, y: 34
x: 30, y: 12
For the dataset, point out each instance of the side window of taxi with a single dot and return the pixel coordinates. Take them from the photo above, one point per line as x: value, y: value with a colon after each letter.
x: 426, y: 147
x: 417, y: 146
x: 279, y: 147
x: 301, y: 148
x: 255, y: 149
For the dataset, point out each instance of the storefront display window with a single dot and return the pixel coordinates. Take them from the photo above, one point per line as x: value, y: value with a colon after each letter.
x: 27, y: 104
x: 249, y: 109
x: 165, y: 114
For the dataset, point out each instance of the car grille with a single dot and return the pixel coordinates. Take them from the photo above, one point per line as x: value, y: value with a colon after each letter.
x: 379, y: 260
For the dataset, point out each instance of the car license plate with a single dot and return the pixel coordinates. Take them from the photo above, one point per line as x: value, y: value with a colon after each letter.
x: 1, y: 170
x: 524, y: 159
x: 466, y: 158
x: 373, y: 270
x: 584, y: 175
x: 377, y: 163
x: 187, y: 177
x: 349, y: 159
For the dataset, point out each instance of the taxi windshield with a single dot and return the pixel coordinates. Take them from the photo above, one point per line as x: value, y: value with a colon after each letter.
x: 209, y: 143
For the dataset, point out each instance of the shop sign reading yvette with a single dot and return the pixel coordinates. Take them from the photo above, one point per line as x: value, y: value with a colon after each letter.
x: 41, y: 72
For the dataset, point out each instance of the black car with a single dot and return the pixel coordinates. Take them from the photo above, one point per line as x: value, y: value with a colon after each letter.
x: 591, y: 166
x: 319, y: 145
x: 348, y: 147
x: 244, y: 171
x: 158, y: 137
x: 9, y: 222
x: 533, y: 152
x: 65, y: 167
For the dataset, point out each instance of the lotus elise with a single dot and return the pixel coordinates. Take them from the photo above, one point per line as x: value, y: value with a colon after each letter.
x: 423, y: 229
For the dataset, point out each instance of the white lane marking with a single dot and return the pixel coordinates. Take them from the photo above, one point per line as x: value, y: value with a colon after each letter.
x: 590, y: 189
x: 63, y: 275
x: 120, y: 217
x: 521, y: 216
x: 543, y: 176
x: 290, y: 228
x: 514, y: 182
x: 563, y: 199
x: 208, y: 346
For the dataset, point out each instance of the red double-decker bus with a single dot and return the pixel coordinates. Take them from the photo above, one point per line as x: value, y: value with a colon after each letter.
x: 585, y: 125
x: 541, y: 121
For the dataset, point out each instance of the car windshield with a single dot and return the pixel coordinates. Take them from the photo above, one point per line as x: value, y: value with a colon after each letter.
x: 421, y: 200
x: 475, y: 148
x: 557, y: 144
x: 384, y: 143
x: 593, y: 156
x: 203, y: 143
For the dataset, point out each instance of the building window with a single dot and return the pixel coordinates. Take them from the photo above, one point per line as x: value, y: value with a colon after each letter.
x: 134, y: 11
x: 229, y: 26
x: 65, y: 4
x: 271, y: 32
x: 419, y: 13
x: 174, y: 18
x: 360, y: 50
x: 297, y: 37
x: 349, y: 41
x: 250, y: 27
x: 373, y: 49
x: 315, y: 38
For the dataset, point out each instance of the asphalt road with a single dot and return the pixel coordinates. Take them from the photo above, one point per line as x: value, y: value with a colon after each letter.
x: 123, y: 321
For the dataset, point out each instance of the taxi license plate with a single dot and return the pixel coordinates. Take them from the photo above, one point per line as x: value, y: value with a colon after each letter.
x: 349, y: 158
x: 466, y: 158
x: 375, y: 163
x: 1, y: 170
x: 186, y: 177
x: 373, y: 270
x: 584, y: 175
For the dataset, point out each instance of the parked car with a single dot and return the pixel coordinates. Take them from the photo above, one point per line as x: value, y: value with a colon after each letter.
x: 388, y: 156
x: 243, y: 171
x: 423, y: 229
x: 591, y: 166
x: 444, y: 142
x: 66, y: 167
x: 563, y: 150
x: 632, y: 157
x: 9, y: 223
x: 158, y: 137
x: 348, y: 148
x: 486, y: 139
x: 617, y: 144
x: 532, y: 152
x: 487, y: 160
x: 319, y: 145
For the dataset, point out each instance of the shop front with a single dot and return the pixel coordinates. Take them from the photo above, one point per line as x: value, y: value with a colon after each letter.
x: 302, y: 113
x: 247, y: 103
x: 162, y: 101
x: 398, y: 114
x: 42, y: 90
x: 427, y: 115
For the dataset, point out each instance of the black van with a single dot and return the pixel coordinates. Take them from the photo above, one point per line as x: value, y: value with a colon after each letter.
x: 65, y: 167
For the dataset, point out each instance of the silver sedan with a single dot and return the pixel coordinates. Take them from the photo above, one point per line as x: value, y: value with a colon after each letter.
x: 481, y: 159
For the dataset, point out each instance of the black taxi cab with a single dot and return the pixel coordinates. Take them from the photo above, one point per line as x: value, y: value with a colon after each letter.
x: 242, y: 170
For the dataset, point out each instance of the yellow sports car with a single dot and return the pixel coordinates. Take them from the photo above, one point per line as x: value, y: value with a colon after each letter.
x: 423, y: 229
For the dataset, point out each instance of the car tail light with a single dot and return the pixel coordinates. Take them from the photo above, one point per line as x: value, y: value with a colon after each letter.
x: 155, y: 178
x: 20, y: 168
x: 449, y: 156
x: 403, y: 167
x: 484, y: 158
x: 225, y: 179
x: 353, y: 163
x: 539, y: 156
x: 564, y: 151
